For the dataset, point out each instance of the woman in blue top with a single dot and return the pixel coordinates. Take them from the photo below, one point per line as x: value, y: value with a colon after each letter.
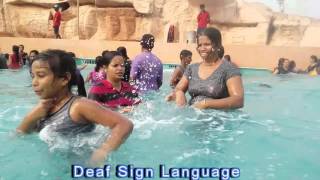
x: 213, y: 83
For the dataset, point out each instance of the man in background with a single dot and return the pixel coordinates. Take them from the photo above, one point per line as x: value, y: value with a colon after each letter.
x: 56, y: 21
x: 147, y: 69
x: 203, y: 19
x: 23, y: 54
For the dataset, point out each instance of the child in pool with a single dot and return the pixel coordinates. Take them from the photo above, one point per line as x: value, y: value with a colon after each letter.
x: 185, y: 58
x: 98, y: 73
x: 53, y: 74
x: 314, y: 67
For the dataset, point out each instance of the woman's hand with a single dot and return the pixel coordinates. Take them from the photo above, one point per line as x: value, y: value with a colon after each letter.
x: 44, y: 106
x: 126, y: 109
x: 98, y: 157
x: 200, y: 104
x: 39, y: 111
x: 171, y: 97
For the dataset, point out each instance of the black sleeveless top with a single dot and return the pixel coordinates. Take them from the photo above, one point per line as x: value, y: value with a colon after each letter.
x: 62, y: 122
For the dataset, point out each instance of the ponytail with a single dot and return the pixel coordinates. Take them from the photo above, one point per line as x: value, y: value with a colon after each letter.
x: 80, y: 84
x: 99, y: 63
x: 220, y: 51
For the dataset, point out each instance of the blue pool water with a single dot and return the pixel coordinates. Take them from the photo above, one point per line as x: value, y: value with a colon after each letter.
x: 275, y: 136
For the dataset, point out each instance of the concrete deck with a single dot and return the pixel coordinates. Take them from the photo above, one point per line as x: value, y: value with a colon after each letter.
x: 253, y: 56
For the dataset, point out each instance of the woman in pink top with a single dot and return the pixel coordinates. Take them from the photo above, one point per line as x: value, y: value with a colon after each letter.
x: 15, y: 60
x: 98, y: 73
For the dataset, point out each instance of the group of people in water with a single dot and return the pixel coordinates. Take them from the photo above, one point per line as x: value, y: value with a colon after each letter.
x: 17, y: 59
x: 286, y: 66
x: 117, y: 84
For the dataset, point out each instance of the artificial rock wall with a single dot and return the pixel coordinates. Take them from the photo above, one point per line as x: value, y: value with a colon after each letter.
x: 126, y: 20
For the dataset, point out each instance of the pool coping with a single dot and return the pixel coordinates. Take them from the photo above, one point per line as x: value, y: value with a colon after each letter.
x: 167, y: 65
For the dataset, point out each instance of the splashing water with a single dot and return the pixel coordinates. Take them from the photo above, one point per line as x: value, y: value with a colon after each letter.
x: 276, y: 130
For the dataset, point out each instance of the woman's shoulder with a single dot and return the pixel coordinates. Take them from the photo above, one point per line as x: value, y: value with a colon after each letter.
x: 229, y: 69
x: 101, y: 86
x: 80, y: 104
x: 127, y: 86
x: 139, y: 56
x: 193, y: 66
x: 179, y: 68
x: 226, y: 65
x: 191, y: 69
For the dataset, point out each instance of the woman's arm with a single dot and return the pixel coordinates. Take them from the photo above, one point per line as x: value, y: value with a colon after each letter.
x: 318, y: 69
x: 9, y: 61
x: 180, y: 91
x: 85, y: 109
x: 30, y: 120
x: 160, y: 77
x: 88, y: 78
x: 275, y: 71
x: 82, y: 67
x: 134, y: 70
x: 174, y: 77
x: 235, y: 99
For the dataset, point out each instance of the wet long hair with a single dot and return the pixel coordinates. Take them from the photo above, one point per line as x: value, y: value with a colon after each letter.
x: 60, y: 63
x: 99, y: 63
x: 215, y: 37
x: 123, y: 51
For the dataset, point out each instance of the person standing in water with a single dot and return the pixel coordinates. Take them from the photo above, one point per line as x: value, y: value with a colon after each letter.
x: 214, y: 83
x: 185, y: 58
x: 53, y: 73
x: 146, y: 68
x: 113, y: 92
x: 127, y: 63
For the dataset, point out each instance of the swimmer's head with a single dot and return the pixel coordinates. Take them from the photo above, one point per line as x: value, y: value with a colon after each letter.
x: 21, y: 47
x: 280, y: 62
x: 186, y: 56
x: 15, y: 49
x: 214, y: 36
x: 147, y: 41
x: 286, y: 64
x: 292, y: 65
x: 202, y: 7
x: 313, y: 59
x: 123, y: 51
x: 54, y: 68
x: 113, y: 63
x: 33, y: 54
x: 99, y: 63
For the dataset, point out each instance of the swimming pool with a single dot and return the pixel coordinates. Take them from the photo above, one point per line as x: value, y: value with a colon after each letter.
x: 275, y: 136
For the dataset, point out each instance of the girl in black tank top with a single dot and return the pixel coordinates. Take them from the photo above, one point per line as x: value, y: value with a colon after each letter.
x: 53, y: 74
